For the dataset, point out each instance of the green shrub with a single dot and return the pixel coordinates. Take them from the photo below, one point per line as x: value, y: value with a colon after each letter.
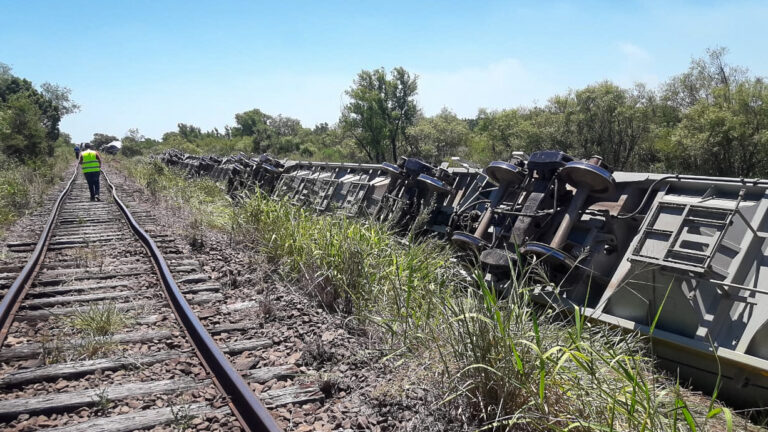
x: 130, y: 149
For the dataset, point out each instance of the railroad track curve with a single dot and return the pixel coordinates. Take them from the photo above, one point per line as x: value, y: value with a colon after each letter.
x: 97, y: 335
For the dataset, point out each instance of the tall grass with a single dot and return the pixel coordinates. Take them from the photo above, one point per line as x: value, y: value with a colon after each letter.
x: 356, y: 264
x: 517, y: 364
x: 202, y: 198
x: 24, y: 185
x: 504, y: 363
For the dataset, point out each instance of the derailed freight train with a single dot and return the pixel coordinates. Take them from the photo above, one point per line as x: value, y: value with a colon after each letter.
x: 685, y: 252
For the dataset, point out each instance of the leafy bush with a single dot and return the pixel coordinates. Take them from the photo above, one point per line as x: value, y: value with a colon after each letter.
x: 130, y: 149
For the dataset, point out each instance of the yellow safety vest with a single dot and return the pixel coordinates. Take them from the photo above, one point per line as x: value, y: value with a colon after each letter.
x: 90, y: 163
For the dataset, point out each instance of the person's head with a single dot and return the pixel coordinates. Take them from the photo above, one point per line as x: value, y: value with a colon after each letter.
x: 87, y: 146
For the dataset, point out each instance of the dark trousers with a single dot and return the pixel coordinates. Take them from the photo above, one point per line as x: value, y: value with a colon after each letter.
x: 93, y: 182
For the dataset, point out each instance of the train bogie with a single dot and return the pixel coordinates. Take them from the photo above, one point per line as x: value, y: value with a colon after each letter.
x: 681, y: 258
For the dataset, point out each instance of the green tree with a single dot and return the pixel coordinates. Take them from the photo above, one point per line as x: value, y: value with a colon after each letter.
x: 284, y: 126
x: 65, y: 140
x: 722, y: 115
x: 502, y: 132
x: 174, y: 140
x: 52, y: 102
x: 49, y: 113
x: 61, y: 97
x: 135, y: 144
x: 189, y: 132
x: 606, y: 120
x: 380, y: 111
x: 321, y: 129
x: 725, y: 136
x: 701, y: 81
x: 22, y: 135
x: 5, y: 72
x: 438, y: 137
x: 254, y: 124
x: 100, y: 140
x: 134, y: 135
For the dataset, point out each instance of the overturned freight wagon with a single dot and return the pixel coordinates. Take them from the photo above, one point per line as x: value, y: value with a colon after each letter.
x: 684, y: 255
x: 697, y: 266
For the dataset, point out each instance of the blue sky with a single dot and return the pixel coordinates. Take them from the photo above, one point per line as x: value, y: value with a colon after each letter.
x: 153, y: 64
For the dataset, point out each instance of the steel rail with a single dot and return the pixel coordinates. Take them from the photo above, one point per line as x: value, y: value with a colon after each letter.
x: 249, y: 410
x: 11, y: 300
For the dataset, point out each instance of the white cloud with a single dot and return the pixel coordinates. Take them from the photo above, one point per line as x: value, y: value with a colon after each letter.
x: 637, y: 65
x: 634, y: 53
x: 503, y: 84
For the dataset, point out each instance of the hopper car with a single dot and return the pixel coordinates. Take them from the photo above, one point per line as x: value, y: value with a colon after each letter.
x: 684, y: 255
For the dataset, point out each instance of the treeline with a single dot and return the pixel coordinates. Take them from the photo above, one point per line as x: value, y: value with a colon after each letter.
x: 711, y: 119
x: 30, y: 116
x: 29, y: 138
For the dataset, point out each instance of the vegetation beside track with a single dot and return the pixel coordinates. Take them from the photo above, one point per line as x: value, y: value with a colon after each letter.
x: 34, y: 154
x: 500, y: 363
x: 23, y: 185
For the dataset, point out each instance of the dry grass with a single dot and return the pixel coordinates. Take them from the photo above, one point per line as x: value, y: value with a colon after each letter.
x: 23, y: 186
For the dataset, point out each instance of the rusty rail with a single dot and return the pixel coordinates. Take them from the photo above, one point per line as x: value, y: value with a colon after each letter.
x: 249, y: 410
x: 10, y: 302
x: 246, y: 406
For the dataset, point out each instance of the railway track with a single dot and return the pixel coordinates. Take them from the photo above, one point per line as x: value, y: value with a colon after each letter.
x: 98, y: 335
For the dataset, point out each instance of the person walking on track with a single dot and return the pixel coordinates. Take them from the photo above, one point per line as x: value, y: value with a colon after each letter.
x: 90, y: 161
